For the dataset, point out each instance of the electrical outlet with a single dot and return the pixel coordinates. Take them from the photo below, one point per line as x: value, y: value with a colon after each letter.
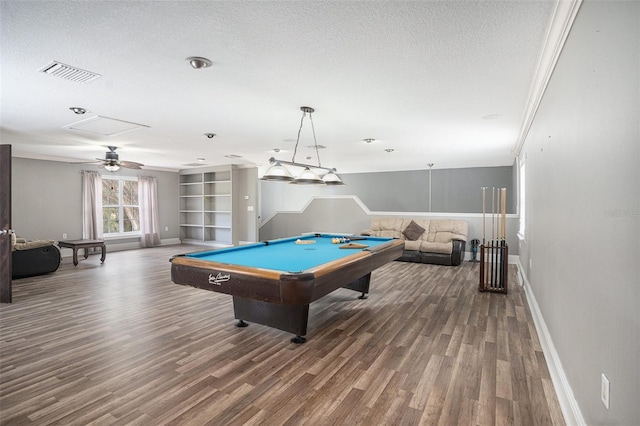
x: 530, y: 263
x: 64, y: 236
x: 166, y: 228
x: 604, y: 391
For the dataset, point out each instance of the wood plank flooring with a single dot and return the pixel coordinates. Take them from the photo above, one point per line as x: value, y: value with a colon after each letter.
x: 120, y: 344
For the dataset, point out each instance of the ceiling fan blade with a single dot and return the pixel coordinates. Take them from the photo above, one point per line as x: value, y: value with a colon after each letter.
x: 84, y: 162
x: 131, y: 164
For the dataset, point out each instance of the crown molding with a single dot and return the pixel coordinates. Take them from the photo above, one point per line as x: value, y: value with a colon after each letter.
x: 563, y: 17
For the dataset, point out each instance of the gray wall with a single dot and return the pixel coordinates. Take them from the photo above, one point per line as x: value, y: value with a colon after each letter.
x: 245, y: 190
x: 583, y: 209
x: 452, y: 191
x: 459, y: 190
x: 47, y: 198
x: 326, y: 215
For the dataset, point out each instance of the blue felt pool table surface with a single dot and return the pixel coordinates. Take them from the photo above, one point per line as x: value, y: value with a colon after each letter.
x: 285, y: 255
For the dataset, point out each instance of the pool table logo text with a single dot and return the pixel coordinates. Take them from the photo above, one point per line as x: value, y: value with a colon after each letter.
x: 219, y: 279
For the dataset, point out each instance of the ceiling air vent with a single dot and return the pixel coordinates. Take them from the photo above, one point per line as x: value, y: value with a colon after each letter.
x: 104, y: 126
x: 68, y: 72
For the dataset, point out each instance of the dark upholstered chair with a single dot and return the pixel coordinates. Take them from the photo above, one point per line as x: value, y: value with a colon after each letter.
x: 29, y: 258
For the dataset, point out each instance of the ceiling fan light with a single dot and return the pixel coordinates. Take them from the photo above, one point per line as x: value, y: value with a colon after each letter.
x: 308, y: 177
x: 332, y: 179
x: 277, y: 173
x: 112, y: 167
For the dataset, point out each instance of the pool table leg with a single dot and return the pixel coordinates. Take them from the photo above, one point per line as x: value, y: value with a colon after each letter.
x: 291, y: 318
x: 242, y: 324
x: 298, y: 340
x: 361, y: 285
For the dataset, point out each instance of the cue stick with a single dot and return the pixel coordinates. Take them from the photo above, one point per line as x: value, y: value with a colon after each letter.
x: 498, y: 232
x: 490, y: 252
x: 498, y: 259
x: 504, y: 232
x: 493, y: 237
x: 483, y: 215
x: 492, y: 248
x: 484, y: 243
x: 500, y: 254
x: 504, y: 212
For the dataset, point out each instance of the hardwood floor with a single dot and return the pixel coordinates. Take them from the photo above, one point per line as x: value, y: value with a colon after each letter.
x: 119, y: 343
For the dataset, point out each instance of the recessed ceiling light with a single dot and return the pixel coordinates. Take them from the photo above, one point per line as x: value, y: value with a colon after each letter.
x: 210, y: 135
x: 197, y: 62
x: 78, y: 110
x: 200, y: 160
x: 369, y: 140
x: 389, y: 150
x: 233, y: 156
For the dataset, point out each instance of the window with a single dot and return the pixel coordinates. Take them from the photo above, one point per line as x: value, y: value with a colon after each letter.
x: 521, y: 197
x: 120, y: 208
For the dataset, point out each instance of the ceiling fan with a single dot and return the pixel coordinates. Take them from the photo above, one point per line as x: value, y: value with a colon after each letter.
x: 112, y: 163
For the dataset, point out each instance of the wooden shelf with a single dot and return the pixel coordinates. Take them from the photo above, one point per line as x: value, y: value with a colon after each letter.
x: 207, y: 205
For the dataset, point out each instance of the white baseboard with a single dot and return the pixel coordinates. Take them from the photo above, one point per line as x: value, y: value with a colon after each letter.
x: 568, y: 404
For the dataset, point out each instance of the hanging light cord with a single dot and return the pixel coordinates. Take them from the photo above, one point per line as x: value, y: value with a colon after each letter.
x: 315, y: 140
x: 293, y: 159
x: 305, y: 111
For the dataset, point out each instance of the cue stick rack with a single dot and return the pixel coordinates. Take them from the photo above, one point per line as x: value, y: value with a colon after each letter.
x: 494, y: 253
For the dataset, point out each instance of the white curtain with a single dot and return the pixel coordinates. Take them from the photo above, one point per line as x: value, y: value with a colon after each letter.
x: 91, y: 205
x: 148, y: 199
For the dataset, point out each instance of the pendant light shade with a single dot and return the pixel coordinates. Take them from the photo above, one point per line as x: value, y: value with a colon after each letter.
x: 332, y: 179
x: 308, y: 177
x: 277, y: 173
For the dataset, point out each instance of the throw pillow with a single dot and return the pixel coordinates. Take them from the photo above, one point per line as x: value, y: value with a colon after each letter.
x: 413, y: 231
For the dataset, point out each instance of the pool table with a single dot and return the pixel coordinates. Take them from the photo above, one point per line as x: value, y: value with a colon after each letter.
x: 273, y: 282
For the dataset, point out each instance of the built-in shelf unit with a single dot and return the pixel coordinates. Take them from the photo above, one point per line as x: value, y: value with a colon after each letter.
x: 207, y: 206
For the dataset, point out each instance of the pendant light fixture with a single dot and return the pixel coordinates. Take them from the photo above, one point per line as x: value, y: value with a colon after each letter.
x: 279, y: 173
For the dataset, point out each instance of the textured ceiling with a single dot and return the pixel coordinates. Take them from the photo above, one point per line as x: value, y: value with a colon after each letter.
x: 443, y: 82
